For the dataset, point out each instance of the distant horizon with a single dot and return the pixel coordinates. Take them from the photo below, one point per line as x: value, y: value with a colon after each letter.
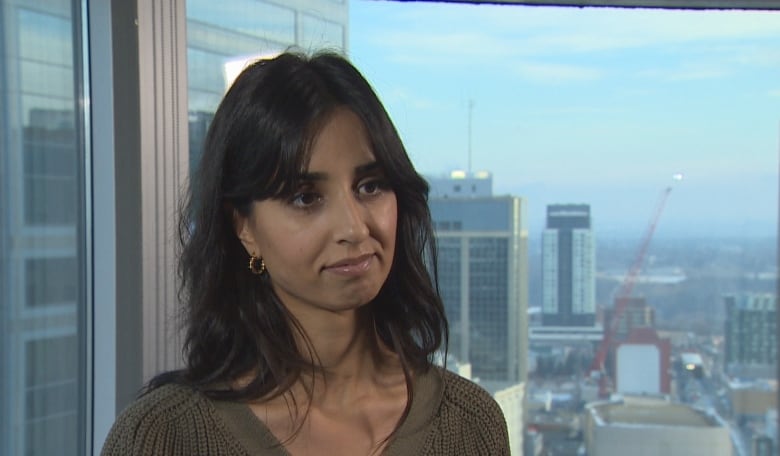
x: 666, y: 226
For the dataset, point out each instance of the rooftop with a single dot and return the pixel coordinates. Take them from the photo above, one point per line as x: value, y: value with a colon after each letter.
x: 649, y: 411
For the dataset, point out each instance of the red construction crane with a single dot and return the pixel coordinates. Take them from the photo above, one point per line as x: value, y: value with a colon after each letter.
x: 623, y: 295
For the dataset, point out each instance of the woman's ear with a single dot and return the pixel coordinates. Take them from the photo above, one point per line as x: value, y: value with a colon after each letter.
x: 242, y: 226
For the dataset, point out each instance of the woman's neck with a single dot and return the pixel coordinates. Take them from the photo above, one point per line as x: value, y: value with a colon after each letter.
x: 351, y: 402
x: 351, y: 357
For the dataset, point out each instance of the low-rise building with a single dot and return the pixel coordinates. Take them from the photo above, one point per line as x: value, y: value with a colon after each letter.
x: 653, y: 425
x: 753, y: 399
x: 511, y: 399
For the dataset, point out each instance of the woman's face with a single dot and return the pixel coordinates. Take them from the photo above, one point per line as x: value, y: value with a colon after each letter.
x: 331, y: 245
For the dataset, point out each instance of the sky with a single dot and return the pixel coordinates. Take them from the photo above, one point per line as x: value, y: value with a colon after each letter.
x: 588, y: 105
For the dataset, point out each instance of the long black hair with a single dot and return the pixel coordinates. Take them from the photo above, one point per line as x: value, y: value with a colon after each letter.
x: 257, y: 144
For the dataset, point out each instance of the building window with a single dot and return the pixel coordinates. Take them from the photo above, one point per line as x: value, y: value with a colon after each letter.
x: 579, y: 113
x: 51, y: 418
x: 60, y: 276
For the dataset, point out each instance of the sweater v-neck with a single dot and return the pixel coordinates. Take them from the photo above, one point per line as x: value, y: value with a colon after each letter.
x: 252, y: 434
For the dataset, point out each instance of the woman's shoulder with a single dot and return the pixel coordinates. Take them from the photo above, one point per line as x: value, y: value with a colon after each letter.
x: 463, y: 395
x: 161, y: 405
x: 469, y: 419
x: 165, y: 414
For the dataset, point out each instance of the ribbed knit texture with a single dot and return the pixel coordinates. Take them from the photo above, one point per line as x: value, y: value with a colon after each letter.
x: 449, y: 416
x: 469, y: 422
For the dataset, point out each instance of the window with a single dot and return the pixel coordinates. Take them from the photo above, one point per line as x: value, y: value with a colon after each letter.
x: 45, y: 78
x: 223, y: 37
x: 595, y: 106
x: 60, y: 276
x: 42, y: 230
x: 51, y: 375
x: 595, y: 113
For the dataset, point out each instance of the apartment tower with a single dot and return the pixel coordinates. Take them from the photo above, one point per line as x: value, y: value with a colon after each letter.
x: 751, y: 334
x: 568, y: 267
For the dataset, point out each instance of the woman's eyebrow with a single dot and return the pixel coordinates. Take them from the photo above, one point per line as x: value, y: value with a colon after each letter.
x: 367, y: 168
x: 311, y: 177
x: 360, y: 170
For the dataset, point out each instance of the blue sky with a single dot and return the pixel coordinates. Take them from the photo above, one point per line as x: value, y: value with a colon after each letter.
x: 593, y: 105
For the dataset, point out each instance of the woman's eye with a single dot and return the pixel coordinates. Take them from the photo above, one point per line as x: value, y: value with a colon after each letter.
x: 305, y: 199
x: 372, y: 187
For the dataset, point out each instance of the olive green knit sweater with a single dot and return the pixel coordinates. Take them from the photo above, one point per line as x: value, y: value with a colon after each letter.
x: 449, y: 416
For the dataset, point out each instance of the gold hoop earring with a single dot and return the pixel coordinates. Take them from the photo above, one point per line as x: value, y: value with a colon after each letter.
x: 256, y: 265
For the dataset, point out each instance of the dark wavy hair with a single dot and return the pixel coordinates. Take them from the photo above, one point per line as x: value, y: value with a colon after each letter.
x: 257, y: 145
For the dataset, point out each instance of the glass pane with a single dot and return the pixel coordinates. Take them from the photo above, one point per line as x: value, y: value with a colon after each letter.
x: 42, y: 207
x: 598, y: 174
x: 223, y: 36
x: 264, y: 20
x: 321, y: 33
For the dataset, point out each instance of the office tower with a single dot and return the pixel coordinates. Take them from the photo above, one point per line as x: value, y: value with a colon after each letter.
x: 751, y: 334
x: 460, y: 184
x: 568, y: 267
x: 482, y: 265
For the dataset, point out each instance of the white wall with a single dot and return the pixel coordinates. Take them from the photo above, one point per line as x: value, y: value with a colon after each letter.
x: 638, y: 369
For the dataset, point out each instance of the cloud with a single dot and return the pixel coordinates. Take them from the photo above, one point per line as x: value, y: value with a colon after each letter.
x: 441, y: 48
x: 687, y: 72
x: 774, y: 93
x: 399, y: 95
x: 454, y: 33
x: 756, y: 55
x: 556, y: 72
x: 583, y: 110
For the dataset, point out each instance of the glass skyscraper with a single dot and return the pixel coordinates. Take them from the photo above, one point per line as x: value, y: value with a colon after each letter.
x: 482, y: 265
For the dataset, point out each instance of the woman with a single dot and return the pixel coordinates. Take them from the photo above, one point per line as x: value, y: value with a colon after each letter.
x: 311, y: 317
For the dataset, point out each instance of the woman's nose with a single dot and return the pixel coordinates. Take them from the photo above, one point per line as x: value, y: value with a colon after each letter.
x: 350, y: 219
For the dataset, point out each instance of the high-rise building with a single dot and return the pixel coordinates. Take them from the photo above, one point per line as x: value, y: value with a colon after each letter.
x: 483, y: 274
x: 461, y: 184
x: 568, y: 267
x: 751, y: 334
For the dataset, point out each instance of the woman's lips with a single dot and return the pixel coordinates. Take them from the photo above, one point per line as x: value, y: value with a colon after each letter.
x: 351, y: 266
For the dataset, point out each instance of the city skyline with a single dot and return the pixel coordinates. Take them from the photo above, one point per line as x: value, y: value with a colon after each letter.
x: 589, y: 105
